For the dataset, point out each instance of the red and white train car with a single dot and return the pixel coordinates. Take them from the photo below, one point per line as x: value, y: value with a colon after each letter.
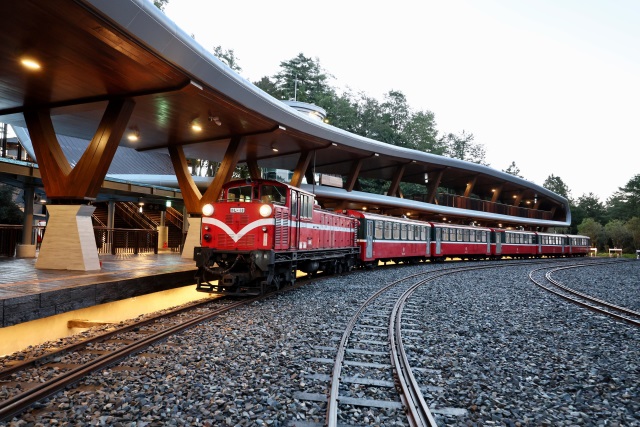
x: 513, y: 243
x: 260, y: 232
x: 460, y: 241
x: 385, y: 238
x: 578, y: 245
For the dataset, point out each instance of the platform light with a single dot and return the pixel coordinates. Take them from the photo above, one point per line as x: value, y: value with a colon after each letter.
x: 196, y: 127
x: 30, y: 64
x: 274, y: 147
x: 168, y: 204
x: 134, y: 135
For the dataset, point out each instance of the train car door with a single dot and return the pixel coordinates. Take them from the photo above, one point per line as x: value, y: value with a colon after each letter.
x: 438, y: 238
x: 369, y: 237
x: 294, y: 220
x: 425, y: 234
x: 498, y: 236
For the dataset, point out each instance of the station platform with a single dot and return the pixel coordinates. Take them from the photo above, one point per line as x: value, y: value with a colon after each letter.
x: 27, y: 293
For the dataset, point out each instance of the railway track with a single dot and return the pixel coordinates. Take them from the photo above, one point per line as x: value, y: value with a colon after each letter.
x: 24, y: 384
x: 378, y: 324
x: 548, y: 283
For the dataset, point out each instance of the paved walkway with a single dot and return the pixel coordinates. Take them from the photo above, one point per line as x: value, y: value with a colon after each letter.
x: 27, y: 293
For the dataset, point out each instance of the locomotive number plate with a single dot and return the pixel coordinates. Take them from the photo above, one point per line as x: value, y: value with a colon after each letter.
x: 237, y: 210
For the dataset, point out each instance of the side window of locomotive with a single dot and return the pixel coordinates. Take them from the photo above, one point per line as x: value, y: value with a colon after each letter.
x: 294, y: 203
x: 273, y: 194
x: 379, y: 230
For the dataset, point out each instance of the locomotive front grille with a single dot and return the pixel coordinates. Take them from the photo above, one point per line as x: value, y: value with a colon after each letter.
x: 236, y: 219
x: 247, y: 242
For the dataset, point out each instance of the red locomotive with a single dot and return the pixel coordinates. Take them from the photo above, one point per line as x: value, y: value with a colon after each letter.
x: 260, y: 233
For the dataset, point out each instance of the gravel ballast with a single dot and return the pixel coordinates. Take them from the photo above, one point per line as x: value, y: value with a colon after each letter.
x: 492, y: 348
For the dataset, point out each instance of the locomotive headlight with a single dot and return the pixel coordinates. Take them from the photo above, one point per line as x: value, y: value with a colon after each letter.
x: 265, y: 210
x: 207, y: 210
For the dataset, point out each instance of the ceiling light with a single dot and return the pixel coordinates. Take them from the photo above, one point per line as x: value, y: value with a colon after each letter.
x: 134, y: 135
x: 274, y: 147
x: 215, y: 119
x: 30, y: 63
x: 196, y: 127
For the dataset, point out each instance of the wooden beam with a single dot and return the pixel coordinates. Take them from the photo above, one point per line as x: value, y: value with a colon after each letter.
x: 496, y: 194
x: 60, y: 180
x: 395, y: 182
x: 435, y: 178
x: 225, y: 171
x: 469, y: 189
x: 353, y: 176
x: 301, y: 168
x: 254, y: 170
x: 190, y: 193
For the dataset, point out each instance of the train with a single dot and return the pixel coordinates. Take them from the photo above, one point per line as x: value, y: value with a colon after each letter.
x: 260, y: 233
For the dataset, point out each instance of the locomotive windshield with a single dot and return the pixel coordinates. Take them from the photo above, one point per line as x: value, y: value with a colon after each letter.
x: 243, y: 193
x: 270, y: 193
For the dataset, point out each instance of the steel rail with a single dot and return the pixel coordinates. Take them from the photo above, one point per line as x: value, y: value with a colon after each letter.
x: 417, y: 408
x: 333, y: 393
x: 18, y: 403
x: 101, y: 337
x: 588, y: 301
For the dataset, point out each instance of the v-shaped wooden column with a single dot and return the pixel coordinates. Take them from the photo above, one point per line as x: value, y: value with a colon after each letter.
x: 69, y: 242
x: 83, y: 181
x: 193, y: 199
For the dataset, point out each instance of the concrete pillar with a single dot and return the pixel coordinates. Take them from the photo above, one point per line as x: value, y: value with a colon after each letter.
x: 27, y: 249
x: 69, y: 243
x: 193, y: 237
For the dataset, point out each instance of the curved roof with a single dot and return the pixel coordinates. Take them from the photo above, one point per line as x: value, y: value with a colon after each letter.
x: 93, y: 51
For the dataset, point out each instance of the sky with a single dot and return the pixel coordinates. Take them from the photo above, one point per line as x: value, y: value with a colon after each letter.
x: 552, y: 85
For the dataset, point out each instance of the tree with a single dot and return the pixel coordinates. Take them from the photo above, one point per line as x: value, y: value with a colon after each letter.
x: 557, y: 185
x: 633, y: 227
x: 160, y: 4
x: 513, y: 170
x: 228, y: 57
x: 594, y: 230
x: 588, y: 206
x: 10, y: 213
x: 617, y: 232
x: 302, y: 79
x: 462, y: 147
x: 420, y: 133
x: 625, y: 203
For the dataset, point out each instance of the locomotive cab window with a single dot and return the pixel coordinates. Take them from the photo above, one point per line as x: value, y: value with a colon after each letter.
x: 241, y: 194
x: 273, y: 194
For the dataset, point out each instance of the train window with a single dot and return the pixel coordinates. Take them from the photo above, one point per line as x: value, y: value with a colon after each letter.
x: 387, y: 230
x: 459, y: 235
x: 273, y: 194
x: 240, y: 194
x: 483, y: 236
x: 294, y: 203
x: 379, y: 229
x: 403, y: 231
x: 410, y: 231
x: 306, y: 206
x: 423, y: 233
x: 396, y: 231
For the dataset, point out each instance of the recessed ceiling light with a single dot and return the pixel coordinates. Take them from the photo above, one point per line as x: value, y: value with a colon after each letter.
x: 30, y: 64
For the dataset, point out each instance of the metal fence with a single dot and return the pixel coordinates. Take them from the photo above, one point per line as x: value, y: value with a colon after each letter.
x: 116, y: 241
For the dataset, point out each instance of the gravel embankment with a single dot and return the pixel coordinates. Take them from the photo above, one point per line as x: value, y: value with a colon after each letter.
x: 495, y: 349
